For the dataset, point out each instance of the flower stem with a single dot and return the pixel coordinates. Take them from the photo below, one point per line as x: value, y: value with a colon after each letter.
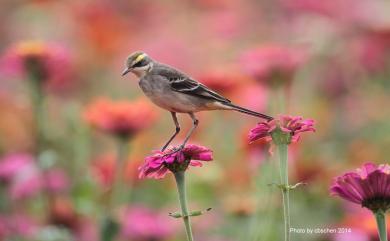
x: 180, y: 182
x: 381, y: 223
x: 109, y: 227
x: 282, y: 150
x: 122, y: 153
x: 38, y: 105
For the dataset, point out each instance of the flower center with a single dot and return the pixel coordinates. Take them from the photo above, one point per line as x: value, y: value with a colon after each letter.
x: 377, y: 204
x: 177, y: 166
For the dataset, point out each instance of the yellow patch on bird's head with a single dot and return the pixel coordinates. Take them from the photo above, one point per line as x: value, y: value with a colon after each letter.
x: 139, y: 58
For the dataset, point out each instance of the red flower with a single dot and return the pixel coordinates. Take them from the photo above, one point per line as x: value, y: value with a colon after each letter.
x: 368, y: 186
x: 157, y: 165
x: 273, y: 65
x: 103, y: 170
x: 122, y: 118
x: 48, y: 63
x: 219, y: 81
x: 293, y: 125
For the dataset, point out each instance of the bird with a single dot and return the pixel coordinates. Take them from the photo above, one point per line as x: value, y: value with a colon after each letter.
x: 175, y: 91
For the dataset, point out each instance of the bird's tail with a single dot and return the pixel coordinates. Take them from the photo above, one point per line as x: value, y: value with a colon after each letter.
x: 248, y: 112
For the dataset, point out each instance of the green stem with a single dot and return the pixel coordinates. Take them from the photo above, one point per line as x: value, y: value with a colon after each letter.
x: 38, y: 105
x: 282, y: 150
x: 281, y: 102
x: 109, y: 227
x: 37, y: 98
x: 381, y: 223
x: 122, y: 154
x: 260, y: 229
x: 180, y: 182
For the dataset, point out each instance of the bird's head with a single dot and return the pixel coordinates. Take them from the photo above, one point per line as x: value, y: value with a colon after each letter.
x: 139, y: 63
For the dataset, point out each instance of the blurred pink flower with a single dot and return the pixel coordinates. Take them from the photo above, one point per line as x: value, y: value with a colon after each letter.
x: 224, y: 24
x: 23, y: 225
x: 168, y: 44
x: 28, y: 180
x: 16, y: 225
x: 273, y: 65
x: 372, y: 49
x: 48, y: 62
x: 26, y: 183
x: 358, y: 12
x: 253, y: 96
x: 362, y: 224
x: 143, y: 224
x: 368, y: 186
x: 355, y: 235
x: 122, y: 118
x: 56, y: 180
x: 157, y: 165
x: 293, y: 125
x: 11, y: 164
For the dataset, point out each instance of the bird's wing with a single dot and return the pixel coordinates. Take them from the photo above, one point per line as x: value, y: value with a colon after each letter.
x: 179, y: 82
x: 192, y: 87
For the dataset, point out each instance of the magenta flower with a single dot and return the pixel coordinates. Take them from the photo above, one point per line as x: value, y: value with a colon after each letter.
x: 157, y: 165
x: 143, y: 224
x: 293, y: 125
x: 368, y: 186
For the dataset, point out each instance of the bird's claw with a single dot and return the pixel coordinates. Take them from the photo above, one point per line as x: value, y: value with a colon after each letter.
x: 174, y: 150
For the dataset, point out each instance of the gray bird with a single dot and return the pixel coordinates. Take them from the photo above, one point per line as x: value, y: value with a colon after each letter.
x: 176, y: 92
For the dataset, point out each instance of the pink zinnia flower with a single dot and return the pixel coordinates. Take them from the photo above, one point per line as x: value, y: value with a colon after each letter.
x: 368, y: 186
x: 274, y: 65
x: 157, y: 165
x: 122, y: 118
x: 143, y: 224
x: 46, y: 62
x: 293, y: 125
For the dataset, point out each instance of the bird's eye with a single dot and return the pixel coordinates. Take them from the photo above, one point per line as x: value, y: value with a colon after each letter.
x: 140, y: 63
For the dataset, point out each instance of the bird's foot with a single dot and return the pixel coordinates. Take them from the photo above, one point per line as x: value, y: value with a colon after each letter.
x: 174, y: 150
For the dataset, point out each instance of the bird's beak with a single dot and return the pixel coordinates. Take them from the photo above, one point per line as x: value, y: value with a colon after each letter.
x: 127, y: 70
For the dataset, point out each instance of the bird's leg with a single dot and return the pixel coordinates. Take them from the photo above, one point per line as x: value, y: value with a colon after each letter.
x: 177, y: 130
x: 194, y: 125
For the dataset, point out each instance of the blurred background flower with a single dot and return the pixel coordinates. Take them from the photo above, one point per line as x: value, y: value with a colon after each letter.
x: 332, y: 57
x: 121, y: 118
